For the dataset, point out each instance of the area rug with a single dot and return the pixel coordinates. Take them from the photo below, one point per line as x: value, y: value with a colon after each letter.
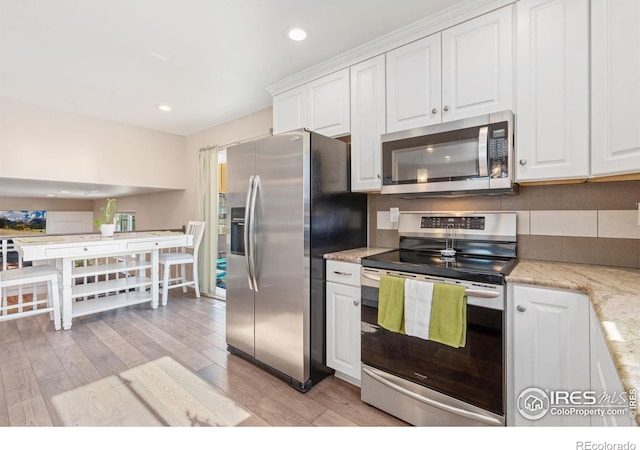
x: 158, y: 393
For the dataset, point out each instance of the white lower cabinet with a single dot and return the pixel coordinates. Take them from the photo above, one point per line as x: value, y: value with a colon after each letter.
x: 550, y: 348
x: 343, y: 320
x: 555, y: 346
x: 604, y: 376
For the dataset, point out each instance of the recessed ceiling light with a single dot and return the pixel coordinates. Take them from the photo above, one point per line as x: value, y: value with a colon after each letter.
x: 164, y: 108
x: 297, y: 34
x: 50, y: 195
x: 63, y: 192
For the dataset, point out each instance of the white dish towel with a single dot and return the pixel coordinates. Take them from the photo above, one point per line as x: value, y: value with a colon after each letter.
x: 418, y: 296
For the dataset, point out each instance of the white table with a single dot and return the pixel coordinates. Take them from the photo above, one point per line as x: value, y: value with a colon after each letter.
x: 118, y: 292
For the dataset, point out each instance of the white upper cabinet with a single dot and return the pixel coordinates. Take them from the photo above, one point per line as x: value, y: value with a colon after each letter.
x: 290, y: 110
x: 367, y: 123
x: 464, y: 71
x: 615, y: 92
x: 477, y: 66
x: 321, y: 105
x: 552, y: 69
x: 328, y: 104
x: 413, y: 84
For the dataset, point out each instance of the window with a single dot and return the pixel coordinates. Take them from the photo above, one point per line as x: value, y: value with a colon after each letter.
x: 126, y: 221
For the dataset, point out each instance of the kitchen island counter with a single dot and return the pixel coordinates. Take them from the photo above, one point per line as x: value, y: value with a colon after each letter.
x: 615, y: 294
x: 117, y: 280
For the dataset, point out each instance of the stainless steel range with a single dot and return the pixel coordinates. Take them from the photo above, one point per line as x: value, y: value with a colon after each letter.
x: 421, y: 381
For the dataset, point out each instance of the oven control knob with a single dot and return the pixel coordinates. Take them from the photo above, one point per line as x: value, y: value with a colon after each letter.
x: 521, y: 308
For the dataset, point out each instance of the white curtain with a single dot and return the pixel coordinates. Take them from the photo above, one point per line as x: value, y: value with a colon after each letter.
x: 207, y: 210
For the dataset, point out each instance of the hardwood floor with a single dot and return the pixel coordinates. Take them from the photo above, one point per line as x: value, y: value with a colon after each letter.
x: 38, y: 364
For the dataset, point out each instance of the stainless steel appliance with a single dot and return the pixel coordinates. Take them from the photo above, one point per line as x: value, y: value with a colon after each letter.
x: 290, y: 204
x: 421, y: 381
x: 467, y: 156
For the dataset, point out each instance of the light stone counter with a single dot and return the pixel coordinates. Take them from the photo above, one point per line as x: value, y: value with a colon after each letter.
x: 355, y: 255
x: 615, y: 294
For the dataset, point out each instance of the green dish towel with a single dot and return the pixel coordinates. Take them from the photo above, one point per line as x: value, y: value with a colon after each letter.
x: 448, y: 323
x: 391, y: 303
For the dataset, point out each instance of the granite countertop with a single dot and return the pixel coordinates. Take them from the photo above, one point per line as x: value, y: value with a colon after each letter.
x: 355, y: 255
x: 615, y: 294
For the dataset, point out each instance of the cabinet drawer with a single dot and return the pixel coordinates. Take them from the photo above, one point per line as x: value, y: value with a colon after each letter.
x: 150, y: 245
x: 82, y: 250
x: 343, y: 272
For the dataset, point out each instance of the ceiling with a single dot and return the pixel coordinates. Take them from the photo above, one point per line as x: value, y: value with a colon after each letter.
x: 211, y: 60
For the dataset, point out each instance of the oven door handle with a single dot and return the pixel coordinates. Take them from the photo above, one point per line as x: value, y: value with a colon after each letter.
x: 371, y: 277
x: 377, y: 278
x: 432, y: 402
x: 477, y: 293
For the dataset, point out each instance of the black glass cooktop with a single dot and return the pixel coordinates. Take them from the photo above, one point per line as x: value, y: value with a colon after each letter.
x: 467, y: 267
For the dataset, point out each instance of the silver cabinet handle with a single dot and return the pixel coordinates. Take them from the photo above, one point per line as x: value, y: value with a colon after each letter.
x: 523, y: 162
x: 521, y: 308
x: 344, y: 274
x: 446, y: 108
x: 356, y: 303
x: 434, y: 111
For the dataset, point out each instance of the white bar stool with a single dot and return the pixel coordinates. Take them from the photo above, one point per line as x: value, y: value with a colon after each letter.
x: 31, y: 276
x: 181, y: 259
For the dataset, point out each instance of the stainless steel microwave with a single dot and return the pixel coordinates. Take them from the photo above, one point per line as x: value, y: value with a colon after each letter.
x: 468, y: 156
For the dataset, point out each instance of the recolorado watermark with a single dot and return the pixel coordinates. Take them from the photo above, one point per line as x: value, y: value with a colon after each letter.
x: 534, y: 403
x: 589, y: 445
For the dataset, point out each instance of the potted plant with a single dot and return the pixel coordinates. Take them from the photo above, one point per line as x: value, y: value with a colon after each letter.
x: 107, y: 223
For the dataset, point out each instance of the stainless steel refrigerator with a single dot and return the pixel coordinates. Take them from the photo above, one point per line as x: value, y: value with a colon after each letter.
x: 290, y: 203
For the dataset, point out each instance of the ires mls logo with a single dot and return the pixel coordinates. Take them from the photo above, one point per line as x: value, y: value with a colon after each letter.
x: 534, y: 403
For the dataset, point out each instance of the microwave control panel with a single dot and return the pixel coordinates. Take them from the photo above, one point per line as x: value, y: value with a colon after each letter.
x: 499, y: 150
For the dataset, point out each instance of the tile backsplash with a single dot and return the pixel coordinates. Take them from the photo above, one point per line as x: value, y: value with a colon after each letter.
x: 591, y: 223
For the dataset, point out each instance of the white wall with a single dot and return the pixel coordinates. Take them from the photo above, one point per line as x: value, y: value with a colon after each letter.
x: 38, y: 143
x: 174, y: 209
x: 46, y: 204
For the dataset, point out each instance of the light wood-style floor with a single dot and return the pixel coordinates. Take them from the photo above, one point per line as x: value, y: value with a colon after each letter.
x: 38, y: 363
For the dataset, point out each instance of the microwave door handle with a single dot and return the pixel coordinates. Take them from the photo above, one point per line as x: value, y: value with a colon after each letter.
x: 483, y: 163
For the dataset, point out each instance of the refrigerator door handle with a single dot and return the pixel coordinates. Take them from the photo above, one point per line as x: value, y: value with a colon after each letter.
x: 247, y: 222
x: 252, y: 232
